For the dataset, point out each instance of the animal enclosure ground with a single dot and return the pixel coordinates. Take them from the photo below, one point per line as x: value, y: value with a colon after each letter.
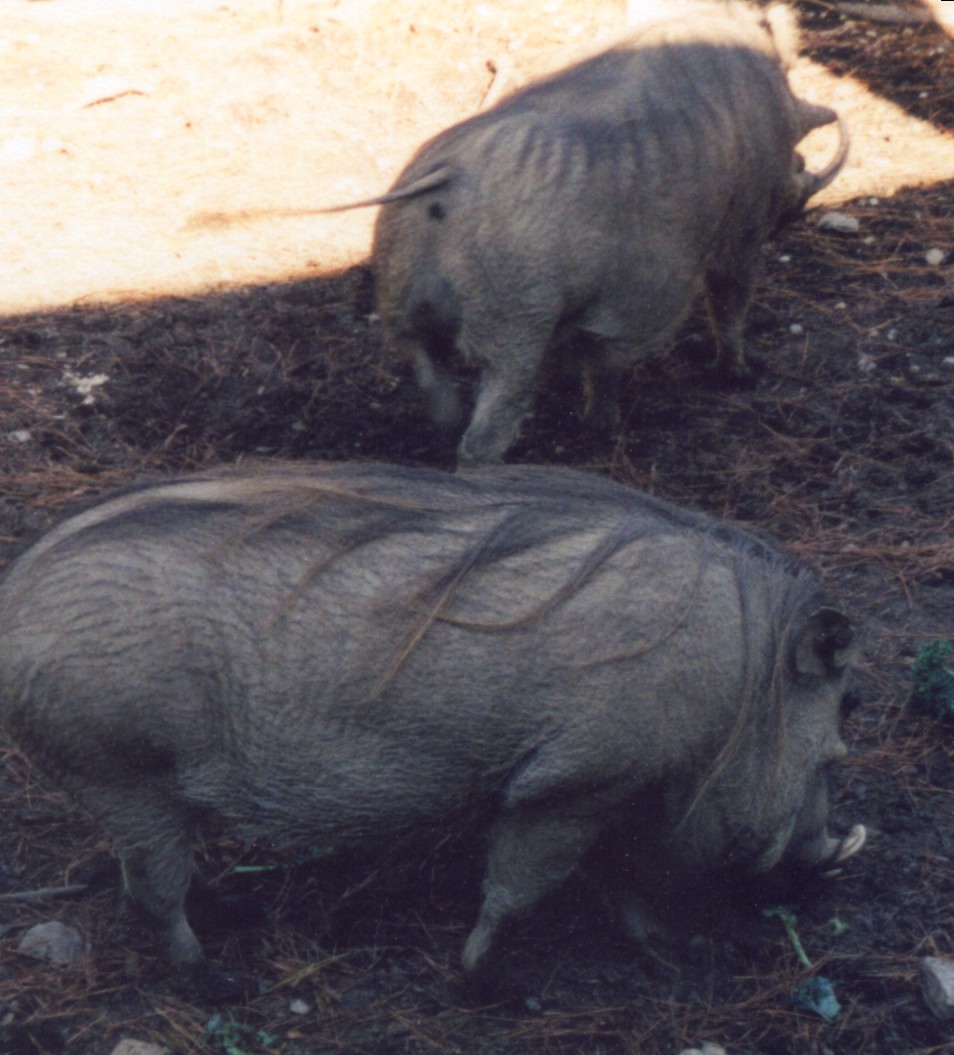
x: 159, y: 317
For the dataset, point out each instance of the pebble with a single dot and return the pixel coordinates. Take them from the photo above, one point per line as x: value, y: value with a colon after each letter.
x: 53, y: 941
x: 935, y: 257
x: 707, y: 1049
x: 840, y: 222
x: 128, y: 1046
x: 937, y: 986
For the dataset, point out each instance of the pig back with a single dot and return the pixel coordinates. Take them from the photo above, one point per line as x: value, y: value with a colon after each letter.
x: 602, y: 193
x: 360, y: 650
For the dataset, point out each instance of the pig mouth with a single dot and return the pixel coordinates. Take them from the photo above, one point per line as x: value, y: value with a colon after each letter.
x: 823, y: 853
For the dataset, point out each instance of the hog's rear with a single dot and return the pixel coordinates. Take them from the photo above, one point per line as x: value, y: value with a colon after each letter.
x: 574, y: 224
x: 354, y: 655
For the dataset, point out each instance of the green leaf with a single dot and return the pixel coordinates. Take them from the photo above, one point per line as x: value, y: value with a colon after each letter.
x: 933, y: 677
x: 789, y: 919
x: 838, y: 926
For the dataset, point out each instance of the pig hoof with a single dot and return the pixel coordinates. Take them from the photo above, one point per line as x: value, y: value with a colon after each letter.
x: 202, y: 983
x: 482, y: 986
x: 210, y: 909
x: 850, y: 845
x: 739, y: 375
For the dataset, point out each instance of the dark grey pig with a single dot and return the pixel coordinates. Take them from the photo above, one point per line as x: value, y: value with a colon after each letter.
x: 575, y: 222
x: 354, y: 655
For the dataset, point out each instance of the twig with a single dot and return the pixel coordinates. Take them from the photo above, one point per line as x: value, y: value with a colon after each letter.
x: 47, y: 893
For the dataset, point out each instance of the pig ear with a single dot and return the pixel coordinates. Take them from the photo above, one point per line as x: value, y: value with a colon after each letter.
x: 825, y: 644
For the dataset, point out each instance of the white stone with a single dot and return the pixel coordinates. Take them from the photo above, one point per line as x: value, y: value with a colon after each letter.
x: 707, y: 1049
x: 935, y: 257
x: 128, y: 1046
x: 85, y: 385
x: 299, y: 1007
x: 53, y: 941
x: 937, y: 986
x: 840, y: 222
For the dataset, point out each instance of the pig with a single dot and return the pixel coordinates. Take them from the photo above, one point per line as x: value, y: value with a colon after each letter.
x: 364, y: 656
x: 572, y: 225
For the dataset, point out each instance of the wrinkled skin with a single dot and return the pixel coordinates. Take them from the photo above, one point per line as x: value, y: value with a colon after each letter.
x: 368, y: 656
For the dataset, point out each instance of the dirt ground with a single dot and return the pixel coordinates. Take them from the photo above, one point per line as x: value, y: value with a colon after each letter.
x: 160, y: 315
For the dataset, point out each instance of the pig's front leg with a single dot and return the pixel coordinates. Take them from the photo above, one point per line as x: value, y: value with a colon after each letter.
x: 532, y: 851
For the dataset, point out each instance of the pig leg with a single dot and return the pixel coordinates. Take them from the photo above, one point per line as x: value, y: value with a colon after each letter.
x: 155, y: 851
x: 530, y: 854
x: 441, y: 390
x: 504, y: 397
x: 727, y: 299
x: 601, y: 387
x: 510, y: 357
x: 157, y: 871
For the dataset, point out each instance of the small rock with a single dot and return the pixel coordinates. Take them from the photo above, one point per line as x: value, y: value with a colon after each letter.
x: 840, y: 222
x: 20, y: 435
x: 85, y: 386
x: 866, y: 364
x: 128, y: 1046
x: 299, y: 1007
x: 937, y: 986
x: 707, y: 1049
x: 53, y: 941
x: 935, y: 257
x: 948, y: 361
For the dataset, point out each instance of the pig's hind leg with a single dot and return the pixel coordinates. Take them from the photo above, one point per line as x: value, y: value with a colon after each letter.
x: 727, y: 299
x: 602, y: 373
x: 443, y: 400
x: 155, y: 851
x: 156, y: 858
x: 532, y: 851
x: 510, y: 360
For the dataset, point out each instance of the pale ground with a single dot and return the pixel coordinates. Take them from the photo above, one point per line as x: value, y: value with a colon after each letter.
x: 122, y: 129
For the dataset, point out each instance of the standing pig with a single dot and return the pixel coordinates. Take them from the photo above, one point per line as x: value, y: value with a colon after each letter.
x: 578, y: 219
x: 353, y: 655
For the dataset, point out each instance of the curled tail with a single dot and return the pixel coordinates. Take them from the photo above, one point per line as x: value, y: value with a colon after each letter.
x: 438, y: 177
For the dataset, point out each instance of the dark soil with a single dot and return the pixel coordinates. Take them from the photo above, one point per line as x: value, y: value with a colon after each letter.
x: 842, y: 448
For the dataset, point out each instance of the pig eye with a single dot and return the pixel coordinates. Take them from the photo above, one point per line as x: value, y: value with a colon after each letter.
x: 850, y: 703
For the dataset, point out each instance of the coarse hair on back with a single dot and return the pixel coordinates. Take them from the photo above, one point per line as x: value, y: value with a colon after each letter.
x: 477, y: 520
